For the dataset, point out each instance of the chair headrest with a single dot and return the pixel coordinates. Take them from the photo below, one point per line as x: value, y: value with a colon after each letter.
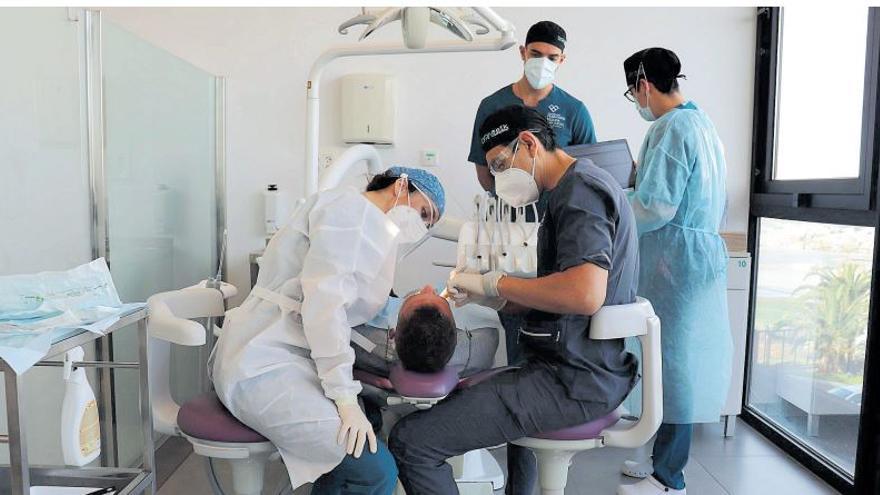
x: 423, y: 385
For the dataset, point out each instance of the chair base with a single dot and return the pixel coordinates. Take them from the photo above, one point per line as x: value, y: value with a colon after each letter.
x: 476, y: 473
x: 248, y: 462
x: 477, y: 466
x: 554, y: 458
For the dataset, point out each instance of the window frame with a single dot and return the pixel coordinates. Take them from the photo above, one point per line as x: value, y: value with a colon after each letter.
x: 779, y: 198
x: 838, y: 201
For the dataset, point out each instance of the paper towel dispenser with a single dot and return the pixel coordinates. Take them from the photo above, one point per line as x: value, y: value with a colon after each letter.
x: 368, y: 108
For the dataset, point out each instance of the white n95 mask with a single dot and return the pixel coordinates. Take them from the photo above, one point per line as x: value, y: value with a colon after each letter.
x: 540, y: 72
x: 410, y: 223
x: 516, y: 186
x: 408, y: 220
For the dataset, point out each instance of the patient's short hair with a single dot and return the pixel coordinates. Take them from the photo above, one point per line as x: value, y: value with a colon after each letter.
x: 425, y: 340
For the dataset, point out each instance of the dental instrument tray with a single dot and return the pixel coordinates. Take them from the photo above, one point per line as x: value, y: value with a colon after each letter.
x: 612, y: 156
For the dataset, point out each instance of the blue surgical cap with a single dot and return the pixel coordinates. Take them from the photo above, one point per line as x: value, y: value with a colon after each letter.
x: 427, y: 182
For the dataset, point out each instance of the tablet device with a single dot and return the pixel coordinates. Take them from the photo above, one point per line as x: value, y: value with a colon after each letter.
x: 612, y: 156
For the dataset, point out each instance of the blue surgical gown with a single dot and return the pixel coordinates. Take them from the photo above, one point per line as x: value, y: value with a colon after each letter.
x: 678, y: 201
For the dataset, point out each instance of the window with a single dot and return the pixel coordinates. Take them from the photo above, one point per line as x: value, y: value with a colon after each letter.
x: 810, y: 329
x: 813, y: 352
x: 812, y: 151
x: 831, y: 62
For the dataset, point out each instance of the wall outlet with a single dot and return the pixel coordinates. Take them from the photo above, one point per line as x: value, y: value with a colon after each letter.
x: 328, y: 155
x: 429, y: 158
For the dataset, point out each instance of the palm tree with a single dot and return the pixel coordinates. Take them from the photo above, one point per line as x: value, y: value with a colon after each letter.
x: 836, y: 308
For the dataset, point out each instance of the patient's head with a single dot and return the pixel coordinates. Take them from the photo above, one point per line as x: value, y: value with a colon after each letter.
x: 425, y: 332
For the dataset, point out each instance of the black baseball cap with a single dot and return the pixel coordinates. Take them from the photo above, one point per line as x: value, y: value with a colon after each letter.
x: 547, y: 32
x: 661, y: 66
x: 504, y: 125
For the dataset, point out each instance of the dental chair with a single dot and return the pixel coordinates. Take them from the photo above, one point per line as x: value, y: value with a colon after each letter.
x: 215, y: 433
x: 212, y: 430
x: 555, y: 450
x: 476, y: 472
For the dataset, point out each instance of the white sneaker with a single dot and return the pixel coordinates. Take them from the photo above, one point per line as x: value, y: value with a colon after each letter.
x: 648, y: 486
x: 638, y: 470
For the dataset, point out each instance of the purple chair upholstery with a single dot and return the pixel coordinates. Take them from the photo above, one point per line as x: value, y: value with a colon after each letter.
x: 586, y: 431
x: 423, y: 385
x: 377, y: 381
x: 206, y: 418
x: 483, y: 376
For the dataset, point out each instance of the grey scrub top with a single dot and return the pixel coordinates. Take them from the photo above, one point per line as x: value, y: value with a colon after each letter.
x: 588, y: 220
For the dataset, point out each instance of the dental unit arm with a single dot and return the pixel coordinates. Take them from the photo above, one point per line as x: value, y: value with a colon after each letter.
x: 483, y: 18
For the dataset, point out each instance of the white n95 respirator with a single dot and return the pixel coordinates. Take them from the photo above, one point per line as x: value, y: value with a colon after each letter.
x: 541, y: 72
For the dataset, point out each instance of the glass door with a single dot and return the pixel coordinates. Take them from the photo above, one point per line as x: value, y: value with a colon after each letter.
x: 160, y: 166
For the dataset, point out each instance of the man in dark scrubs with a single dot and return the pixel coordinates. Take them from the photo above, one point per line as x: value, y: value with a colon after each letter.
x: 542, y: 54
x: 587, y: 258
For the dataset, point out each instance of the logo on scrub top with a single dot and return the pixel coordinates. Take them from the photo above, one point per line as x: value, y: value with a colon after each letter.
x: 553, y: 108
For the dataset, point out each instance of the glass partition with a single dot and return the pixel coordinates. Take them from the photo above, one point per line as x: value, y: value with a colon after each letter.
x: 44, y: 184
x: 160, y: 148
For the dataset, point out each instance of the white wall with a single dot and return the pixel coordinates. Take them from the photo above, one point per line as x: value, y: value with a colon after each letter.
x: 266, y: 54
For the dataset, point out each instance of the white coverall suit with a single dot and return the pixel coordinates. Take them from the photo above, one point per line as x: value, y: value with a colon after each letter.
x: 284, y: 355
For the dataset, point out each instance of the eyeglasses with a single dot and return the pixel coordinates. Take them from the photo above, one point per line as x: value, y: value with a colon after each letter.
x: 501, y: 162
x: 630, y: 93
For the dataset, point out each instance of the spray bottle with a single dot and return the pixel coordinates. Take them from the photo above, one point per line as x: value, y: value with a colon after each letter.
x: 80, y: 428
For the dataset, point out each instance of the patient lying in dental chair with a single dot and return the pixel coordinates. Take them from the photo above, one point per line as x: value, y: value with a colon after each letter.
x: 424, y: 334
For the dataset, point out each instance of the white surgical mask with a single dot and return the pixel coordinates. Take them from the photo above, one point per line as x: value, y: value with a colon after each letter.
x: 516, y: 186
x: 540, y: 72
x: 408, y: 220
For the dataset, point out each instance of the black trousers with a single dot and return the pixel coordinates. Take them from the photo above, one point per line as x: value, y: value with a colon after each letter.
x: 522, y: 466
x: 510, y: 406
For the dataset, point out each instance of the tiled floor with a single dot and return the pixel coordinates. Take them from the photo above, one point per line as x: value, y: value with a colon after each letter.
x: 746, y: 464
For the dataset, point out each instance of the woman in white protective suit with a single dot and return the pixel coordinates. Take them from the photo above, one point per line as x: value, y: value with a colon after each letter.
x: 283, y: 364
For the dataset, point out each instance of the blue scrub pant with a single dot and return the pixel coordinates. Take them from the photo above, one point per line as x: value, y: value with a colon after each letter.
x: 371, y: 474
x: 671, y: 450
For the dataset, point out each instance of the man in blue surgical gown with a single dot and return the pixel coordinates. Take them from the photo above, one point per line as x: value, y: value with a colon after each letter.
x: 678, y: 201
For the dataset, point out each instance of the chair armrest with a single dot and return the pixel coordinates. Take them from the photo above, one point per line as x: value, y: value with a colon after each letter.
x: 227, y: 289
x: 632, y: 435
x: 170, y: 314
x: 620, y: 321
